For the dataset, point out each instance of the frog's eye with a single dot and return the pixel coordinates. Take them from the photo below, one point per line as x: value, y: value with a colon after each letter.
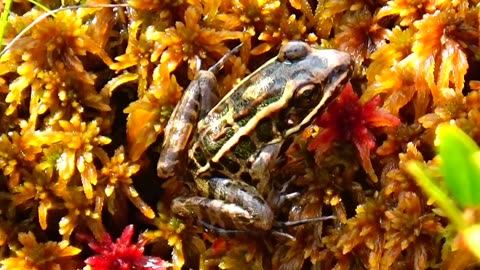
x: 306, y: 96
x: 293, y: 50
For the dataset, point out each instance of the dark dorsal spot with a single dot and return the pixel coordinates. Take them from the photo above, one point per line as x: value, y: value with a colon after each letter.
x: 246, y: 177
x: 231, y: 165
x: 244, y: 148
x: 216, y: 166
x: 264, y: 130
x: 200, y: 157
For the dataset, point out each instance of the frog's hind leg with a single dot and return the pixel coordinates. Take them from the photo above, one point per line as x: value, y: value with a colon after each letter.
x: 197, y: 100
x: 183, y: 121
x: 219, y: 65
x: 209, y: 96
x: 229, y: 204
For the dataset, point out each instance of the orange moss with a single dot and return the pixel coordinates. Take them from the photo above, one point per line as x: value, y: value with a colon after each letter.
x: 359, y: 35
x: 80, y: 131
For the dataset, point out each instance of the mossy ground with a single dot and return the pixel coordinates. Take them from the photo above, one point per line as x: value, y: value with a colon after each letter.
x: 86, y: 92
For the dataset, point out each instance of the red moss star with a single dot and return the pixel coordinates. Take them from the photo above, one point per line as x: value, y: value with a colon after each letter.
x: 347, y: 120
x: 122, y: 254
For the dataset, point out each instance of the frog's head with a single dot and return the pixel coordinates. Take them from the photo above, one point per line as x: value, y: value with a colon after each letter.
x: 316, y: 78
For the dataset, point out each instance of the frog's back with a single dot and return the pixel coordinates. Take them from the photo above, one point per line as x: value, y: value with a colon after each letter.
x: 232, y: 133
x: 273, y: 103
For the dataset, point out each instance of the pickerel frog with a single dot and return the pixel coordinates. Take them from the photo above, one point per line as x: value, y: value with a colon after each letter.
x: 230, y: 146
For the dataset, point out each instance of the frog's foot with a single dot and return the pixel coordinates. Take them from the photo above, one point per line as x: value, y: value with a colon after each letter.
x: 216, y: 68
x: 220, y: 232
x: 282, y: 224
x: 226, y: 233
x: 278, y: 198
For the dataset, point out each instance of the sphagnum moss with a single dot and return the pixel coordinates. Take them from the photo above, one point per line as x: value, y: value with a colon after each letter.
x: 79, y: 131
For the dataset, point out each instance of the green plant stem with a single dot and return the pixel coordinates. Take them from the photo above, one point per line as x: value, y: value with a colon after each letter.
x: 3, y: 20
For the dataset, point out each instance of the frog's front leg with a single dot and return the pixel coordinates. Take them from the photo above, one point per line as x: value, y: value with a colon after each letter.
x: 226, y: 203
x: 262, y: 165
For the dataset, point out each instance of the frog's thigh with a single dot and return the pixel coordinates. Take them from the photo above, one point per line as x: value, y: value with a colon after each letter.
x: 231, y: 204
x: 183, y: 121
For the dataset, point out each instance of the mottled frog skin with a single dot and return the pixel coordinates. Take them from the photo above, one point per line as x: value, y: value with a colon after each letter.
x: 228, y: 146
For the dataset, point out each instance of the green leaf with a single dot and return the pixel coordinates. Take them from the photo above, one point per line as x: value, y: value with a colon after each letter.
x: 420, y: 173
x: 460, y: 164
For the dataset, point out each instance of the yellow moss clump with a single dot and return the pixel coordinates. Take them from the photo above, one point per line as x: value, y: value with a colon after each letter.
x: 86, y: 94
x: 34, y: 255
